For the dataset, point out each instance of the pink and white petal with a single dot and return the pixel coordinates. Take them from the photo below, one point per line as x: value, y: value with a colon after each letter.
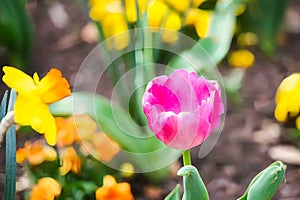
x: 168, y: 127
x: 178, y: 83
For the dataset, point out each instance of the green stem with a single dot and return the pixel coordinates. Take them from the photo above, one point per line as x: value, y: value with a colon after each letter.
x: 186, y: 157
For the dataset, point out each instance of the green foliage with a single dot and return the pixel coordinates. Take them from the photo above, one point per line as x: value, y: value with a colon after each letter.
x: 264, y: 18
x: 175, y: 194
x: 144, y: 152
x: 194, y: 188
x: 265, y: 184
x: 10, y: 168
x: 16, y: 32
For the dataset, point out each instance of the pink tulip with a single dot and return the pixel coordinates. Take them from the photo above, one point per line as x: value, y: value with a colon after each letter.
x: 182, y: 109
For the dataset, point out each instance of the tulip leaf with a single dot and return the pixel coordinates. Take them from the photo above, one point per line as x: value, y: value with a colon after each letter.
x: 194, y: 188
x: 101, y: 110
x: 144, y: 152
x: 265, y: 184
x: 10, y: 166
x: 175, y: 194
x: 16, y: 32
x: 3, y: 105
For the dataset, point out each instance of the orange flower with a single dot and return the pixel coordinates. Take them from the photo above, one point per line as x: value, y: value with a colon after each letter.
x: 111, y: 190
x: 101, y: 147
x: 35, y: 153
x: 74, y: 129
x: 70, y: 161
x: 66, y: 131
x: 34, y: 95
x: 46, y: 189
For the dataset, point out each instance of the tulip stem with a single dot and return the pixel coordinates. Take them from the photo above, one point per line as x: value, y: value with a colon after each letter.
x: 186, y: 157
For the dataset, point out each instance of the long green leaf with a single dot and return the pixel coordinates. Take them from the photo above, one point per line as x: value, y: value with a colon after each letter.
x: 16, y: 32
x: 194, y: 188
x: 145, y: 152
x: 10, y: 172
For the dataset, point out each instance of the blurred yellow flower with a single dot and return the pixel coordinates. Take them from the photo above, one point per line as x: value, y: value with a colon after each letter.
x: 200, y: 19
x: 114, y: 16
x: 111, y: 190
x: 127, y: 169
x: 298, y: 123
x: 35, y: 153
x: 288, y: 99
x: 179, y: 5
x: 34, y: 95
x: 241, y: 58
x: 70, y: 161
x: 46, y: 189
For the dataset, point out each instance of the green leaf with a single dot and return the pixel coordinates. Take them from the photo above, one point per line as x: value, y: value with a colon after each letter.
x: 175, y: 194
x: 264, y: 18
x: 265, y: 184
x: 16, y: 32
x: 10, y: 168
x: 139, y: 147
x: 194, y: 188
x: 101, y: 110
x: 3, y: 105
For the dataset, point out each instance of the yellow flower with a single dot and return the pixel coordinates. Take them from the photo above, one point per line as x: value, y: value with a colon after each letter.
x: 111, y: 190
x: 70, y: 161
x: 179, y: 5
x: 34, y: 95
x: 156, y: 11
x: 130, y: 7
x: 173, y: 22
x: 46, y: 189
x: 201, y: 19
x: 241, y: 58
x: 35, y: 153
x: 298, y: 123
x: 288, y: 99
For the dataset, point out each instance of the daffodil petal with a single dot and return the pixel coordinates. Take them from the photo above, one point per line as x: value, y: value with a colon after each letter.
x: 18, y: 80
x: 35, y: 113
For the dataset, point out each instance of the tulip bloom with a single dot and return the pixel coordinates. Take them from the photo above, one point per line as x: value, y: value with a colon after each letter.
x: 34, y: 95
x: 182, y: 109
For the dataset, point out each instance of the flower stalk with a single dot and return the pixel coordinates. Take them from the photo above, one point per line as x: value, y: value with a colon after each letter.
x: 186, y: 155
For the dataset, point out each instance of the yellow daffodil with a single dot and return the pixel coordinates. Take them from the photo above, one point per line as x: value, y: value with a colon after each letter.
x: 35, y: 153
x: 288, y: 99
x: 179, y: 5
x: 46, y: 189
x: 34, y: 95
x: 171, y: 25
x: 241, y: 59
x: 70, y: 161
x: 111, y: 190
